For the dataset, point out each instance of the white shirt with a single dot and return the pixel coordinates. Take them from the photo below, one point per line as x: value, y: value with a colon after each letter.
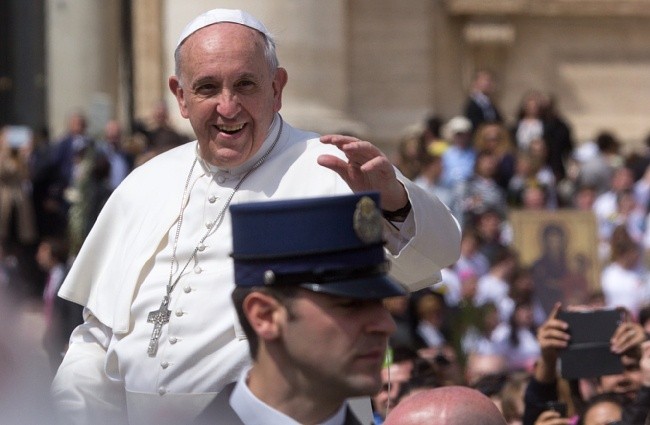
x: 623, y: 288
x: 430, y: 334
x: 450, y: 286
x: 490, y: 288
x: 604, y: 205
x: 522, y: 356
x: 528, y: 130
x: 119, y: 166
x: 253, y: 411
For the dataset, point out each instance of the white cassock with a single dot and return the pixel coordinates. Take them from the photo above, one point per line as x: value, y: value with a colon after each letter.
x: 123, y: 268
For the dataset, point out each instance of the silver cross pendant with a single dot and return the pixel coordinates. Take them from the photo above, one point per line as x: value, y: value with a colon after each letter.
x: 158, y: 318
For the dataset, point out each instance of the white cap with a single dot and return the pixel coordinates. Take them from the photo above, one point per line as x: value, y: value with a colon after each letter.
x: 458, y: 124
x: 215, y: 16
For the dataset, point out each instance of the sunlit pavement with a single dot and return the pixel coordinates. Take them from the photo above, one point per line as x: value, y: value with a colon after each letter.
x: 25, y: 374
x: 27, y: 328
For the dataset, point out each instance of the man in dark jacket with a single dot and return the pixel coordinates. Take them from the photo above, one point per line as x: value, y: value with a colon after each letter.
x: 480, y: 107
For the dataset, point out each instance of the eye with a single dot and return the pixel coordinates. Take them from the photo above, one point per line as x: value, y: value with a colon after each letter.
x: 350, y: 303
x: 206, y: 89
x: 245, y: 85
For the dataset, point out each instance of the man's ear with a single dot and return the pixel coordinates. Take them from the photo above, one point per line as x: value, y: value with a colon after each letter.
x: 178, y: 92
x: 262, y: 310
x: 279, y: 81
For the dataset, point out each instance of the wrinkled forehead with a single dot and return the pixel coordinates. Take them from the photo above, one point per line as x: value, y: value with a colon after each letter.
x: 217, y: 16
x: 226, y: 35
x: 225, y: 46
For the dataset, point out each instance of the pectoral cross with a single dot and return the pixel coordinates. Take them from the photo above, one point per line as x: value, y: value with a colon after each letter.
x: 158, y: 318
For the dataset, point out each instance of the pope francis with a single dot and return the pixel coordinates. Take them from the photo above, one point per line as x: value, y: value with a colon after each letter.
x: 160, y: 337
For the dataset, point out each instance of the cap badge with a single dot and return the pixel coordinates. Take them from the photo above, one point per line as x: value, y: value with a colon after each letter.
x: 367, y: 221
x: 269, y: 277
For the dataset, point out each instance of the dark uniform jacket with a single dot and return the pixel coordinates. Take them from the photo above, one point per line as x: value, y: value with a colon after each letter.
x: 219, y: 411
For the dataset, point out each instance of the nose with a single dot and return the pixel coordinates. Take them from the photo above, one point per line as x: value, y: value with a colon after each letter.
x: 228, y: 105
x: 380, y: 320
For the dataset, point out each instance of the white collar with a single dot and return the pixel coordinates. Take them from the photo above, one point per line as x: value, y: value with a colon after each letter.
x: 242, y: 168
x: 253, y: 411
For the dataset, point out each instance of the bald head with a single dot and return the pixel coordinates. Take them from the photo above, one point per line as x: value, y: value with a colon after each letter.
x: 452, y: 405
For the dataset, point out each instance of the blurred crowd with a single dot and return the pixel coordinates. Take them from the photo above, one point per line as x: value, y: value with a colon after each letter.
x: 481, y: 326
x: 51, y: 192
x: 52, y: 189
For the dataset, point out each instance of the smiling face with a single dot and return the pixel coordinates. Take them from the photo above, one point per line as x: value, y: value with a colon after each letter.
x: 336, y: 345
x: 227, y: 90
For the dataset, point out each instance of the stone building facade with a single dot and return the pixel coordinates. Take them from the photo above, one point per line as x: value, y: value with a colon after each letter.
x: 373, y: 67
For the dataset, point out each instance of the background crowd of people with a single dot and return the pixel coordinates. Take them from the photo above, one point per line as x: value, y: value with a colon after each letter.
x: 479, y: 327
x: 482, y: 326
x: 55, y: 187
x: 51, y: 192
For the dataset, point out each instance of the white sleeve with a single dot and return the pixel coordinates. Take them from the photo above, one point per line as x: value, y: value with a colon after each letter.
x: 427, y: 242
x: 81, y: 390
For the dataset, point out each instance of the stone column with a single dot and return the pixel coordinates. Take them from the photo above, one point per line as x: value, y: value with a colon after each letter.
x: 149, y: 77
x: 313, y: 45
x: 82, y: 61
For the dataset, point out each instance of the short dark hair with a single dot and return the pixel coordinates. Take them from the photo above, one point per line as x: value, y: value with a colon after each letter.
x: 607, y: 142
x: 609, y: 397
x: 283, y: 293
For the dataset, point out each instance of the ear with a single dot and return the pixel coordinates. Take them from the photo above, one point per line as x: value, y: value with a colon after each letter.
x: 279, y: 81
x: 262, y: 312
x: 178, y: 92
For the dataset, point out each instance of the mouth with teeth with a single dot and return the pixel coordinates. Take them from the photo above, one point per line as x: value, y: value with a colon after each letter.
x: 230, y: 129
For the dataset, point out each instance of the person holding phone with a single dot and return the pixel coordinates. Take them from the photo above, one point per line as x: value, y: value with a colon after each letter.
x: 553, y: 337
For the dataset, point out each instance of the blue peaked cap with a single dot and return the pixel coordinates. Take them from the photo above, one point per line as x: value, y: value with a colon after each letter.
x: 328, y: 244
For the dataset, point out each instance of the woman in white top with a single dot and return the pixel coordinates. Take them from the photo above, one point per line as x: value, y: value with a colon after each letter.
x: 516, y: 339
x: 622, y: 280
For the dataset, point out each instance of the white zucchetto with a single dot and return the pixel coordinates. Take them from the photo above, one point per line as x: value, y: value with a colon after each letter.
x: 216, y: 16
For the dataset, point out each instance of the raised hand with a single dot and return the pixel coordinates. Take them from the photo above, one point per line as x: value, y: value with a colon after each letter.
x: 552, y: 336
x: 367, y: 169
x: 627, y: 338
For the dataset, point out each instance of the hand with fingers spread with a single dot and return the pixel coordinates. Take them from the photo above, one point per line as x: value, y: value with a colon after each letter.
x: 552, y: 336
x: 367, y: 169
